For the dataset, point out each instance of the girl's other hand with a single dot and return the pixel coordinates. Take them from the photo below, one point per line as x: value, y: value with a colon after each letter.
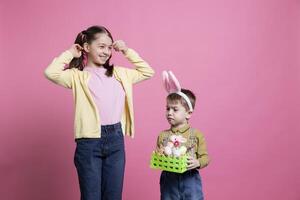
x: 76, y: 50
x: 120, y: 45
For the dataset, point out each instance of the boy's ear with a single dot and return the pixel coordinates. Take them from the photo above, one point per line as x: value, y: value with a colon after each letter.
x: 86, y: 47
x: 189, y: 114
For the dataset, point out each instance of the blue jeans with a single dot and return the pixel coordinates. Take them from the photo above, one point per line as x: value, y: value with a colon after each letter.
x: 100, y: 164
x: 185, y: 186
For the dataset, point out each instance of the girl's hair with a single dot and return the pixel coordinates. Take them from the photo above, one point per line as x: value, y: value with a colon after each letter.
x: 88, y: 36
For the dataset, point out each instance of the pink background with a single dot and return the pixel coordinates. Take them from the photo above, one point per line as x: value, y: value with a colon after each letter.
x: 241, y: 58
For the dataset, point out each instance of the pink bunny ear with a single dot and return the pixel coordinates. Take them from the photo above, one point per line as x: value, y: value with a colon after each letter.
x: 166, y: 81
x: 174, y: 83
x: 172, y: 86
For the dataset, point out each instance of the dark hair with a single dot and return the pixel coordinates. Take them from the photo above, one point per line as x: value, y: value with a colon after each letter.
x: 88, y: 36
x: 173, y: 97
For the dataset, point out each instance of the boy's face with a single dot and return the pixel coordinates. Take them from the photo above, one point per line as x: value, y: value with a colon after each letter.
x: 176, y: 113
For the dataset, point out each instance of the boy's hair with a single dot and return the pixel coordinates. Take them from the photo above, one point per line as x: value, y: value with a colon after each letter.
x: 173, y: 97
x: 88, y: 36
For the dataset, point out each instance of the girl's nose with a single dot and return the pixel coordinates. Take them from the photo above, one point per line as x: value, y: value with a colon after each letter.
x: 106, y: 51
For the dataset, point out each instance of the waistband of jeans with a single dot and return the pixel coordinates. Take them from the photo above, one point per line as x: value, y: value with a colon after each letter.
x: 111, y: 126
x: 186, y: 173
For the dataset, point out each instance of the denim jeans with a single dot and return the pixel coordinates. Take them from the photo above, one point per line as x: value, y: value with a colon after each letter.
x: 185, y: 186
x: 100, y: 164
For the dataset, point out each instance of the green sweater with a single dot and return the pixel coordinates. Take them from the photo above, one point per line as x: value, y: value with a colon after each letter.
x: 195, y: 142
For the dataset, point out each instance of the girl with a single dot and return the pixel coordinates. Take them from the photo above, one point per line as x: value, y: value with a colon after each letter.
x: 103, y: 108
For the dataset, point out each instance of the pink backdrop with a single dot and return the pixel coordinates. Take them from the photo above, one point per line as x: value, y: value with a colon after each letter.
x: 241, y: 58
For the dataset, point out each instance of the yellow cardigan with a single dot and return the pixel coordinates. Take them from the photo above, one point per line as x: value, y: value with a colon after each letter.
x: 87, y: 120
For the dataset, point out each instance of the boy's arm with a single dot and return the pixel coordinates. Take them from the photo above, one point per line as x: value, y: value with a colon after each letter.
x: 56, y: 72
x: 142, y: 69
x: 202, y: 154
x: 158, y: 144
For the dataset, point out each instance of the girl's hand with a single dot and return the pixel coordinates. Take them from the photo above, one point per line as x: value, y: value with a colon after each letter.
x: 76, y: 50
x: 192, y: 163
x: 120, y: 45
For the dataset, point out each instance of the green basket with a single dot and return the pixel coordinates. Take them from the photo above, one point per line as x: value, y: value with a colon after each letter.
x: 166, y: 163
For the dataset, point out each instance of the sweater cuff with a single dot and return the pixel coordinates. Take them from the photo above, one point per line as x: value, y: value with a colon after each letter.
x: 129, y: 53
x: 67, y: 55
x: 203, y: 163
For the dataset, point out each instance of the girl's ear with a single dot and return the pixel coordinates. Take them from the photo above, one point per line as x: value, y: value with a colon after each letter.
x: 165, y: 76
x: 86, y: 47
x: 174, y: 83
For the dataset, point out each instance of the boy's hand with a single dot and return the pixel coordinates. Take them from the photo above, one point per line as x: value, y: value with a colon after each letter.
x: 192, y: 163
x: 120, y: 45
x: 160, y: 150
x: 76, y: 50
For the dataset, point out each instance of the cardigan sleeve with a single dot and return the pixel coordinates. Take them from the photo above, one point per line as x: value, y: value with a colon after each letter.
x: 142, y: 70
x: 56, y: 72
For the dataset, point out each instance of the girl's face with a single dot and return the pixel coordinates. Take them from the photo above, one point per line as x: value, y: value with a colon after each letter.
x: 100, y: 49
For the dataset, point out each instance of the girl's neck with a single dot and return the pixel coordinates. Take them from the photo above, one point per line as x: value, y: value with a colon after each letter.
x: 91, y: 64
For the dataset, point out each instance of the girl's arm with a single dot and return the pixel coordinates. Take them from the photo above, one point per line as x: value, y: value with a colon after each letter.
x: 56, y: 72
x: 142, y: 69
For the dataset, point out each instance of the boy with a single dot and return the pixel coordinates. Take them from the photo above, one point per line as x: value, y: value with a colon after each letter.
x: 188, y: 186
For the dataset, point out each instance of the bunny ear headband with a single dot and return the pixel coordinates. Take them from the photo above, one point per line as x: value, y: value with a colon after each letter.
x: 172, y: 86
